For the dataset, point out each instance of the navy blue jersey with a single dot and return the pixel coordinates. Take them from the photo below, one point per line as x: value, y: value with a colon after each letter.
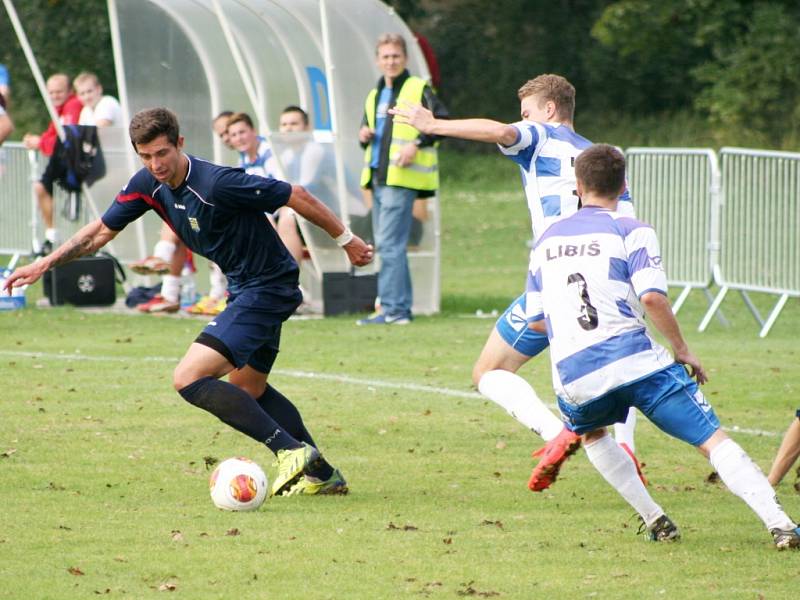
x: 218, y: 212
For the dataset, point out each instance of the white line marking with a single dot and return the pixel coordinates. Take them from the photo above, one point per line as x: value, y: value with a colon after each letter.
x: 346, y: 379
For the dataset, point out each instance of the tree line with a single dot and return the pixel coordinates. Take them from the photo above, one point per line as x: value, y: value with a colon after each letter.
x: 731, y: 66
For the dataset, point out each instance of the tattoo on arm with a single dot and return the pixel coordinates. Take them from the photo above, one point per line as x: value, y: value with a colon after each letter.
x: 77, y: 247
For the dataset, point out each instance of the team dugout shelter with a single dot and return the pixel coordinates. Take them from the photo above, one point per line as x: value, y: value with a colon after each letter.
x: 202, y: 57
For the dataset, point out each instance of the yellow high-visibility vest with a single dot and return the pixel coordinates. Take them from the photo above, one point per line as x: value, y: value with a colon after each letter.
x: 423, y: 173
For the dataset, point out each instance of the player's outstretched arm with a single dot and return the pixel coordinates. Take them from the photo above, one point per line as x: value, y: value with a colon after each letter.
x: 89, y: 238
x: 478, y: 130
x: 659, y: 311
x: 307, y: 206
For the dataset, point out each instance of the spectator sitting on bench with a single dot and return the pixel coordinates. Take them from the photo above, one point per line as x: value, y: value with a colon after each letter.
x: 68, y: 108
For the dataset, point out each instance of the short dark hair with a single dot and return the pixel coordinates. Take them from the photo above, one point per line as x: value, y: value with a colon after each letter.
x: 297, y: 109
x: 601, y: 169
x: 150, y: 123
x: 241, y: 117
x: 223, y: 114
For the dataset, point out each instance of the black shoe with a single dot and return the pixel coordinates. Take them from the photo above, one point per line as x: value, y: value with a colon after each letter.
x: 47, y: 248
x: 786, y: 538
x: 663, y: 530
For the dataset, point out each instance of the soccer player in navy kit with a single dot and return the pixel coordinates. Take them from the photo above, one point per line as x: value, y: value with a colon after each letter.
x: 218, y: 212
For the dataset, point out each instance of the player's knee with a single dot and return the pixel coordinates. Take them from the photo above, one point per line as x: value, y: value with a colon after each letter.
x: 715, y: 440
x: 478, y: 371
x: 487, y: 362
x: 183, y: 376
x: 254, y: 390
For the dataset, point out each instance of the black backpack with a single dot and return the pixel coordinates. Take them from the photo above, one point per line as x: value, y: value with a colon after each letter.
x: 81, y: 155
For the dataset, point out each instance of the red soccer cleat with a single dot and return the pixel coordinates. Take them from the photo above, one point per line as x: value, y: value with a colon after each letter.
x: 158, y: 304
x: 553, y: 454
x: 639, y: 466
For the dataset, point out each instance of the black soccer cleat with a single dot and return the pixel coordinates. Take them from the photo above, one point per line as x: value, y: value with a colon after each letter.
x: 786, y: 538
x: 663, y: 530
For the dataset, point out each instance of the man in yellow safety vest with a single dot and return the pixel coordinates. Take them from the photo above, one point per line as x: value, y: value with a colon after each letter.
x: 400, y: 164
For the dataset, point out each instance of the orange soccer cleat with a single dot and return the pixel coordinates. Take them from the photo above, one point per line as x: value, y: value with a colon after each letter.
x: 158, y: 304
x: 553, y: 454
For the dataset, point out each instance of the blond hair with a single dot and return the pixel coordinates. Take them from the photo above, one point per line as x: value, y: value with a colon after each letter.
x: 84, y: 76
x: 553, y: 88
x: 392, y: 38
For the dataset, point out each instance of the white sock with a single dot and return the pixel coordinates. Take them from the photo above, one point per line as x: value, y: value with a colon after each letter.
x: 164, y: 250
x: 218, y: 282
x: 618, y: 469
x: 519, y: 400
x: 51, y: 235
x: 171, y: 287
x: 745, y: 479
x: 623, y: 432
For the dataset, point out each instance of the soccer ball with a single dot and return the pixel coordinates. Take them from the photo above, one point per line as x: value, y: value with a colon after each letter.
x: 238, y: 484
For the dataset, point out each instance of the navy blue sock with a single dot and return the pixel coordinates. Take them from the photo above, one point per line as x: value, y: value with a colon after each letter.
x: 235, y: 407
x: 280, y: 408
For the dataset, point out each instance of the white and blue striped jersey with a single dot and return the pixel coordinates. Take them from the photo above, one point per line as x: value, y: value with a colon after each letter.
x: 546, y: 153
x: 588, y: 273
x: 264, y: 163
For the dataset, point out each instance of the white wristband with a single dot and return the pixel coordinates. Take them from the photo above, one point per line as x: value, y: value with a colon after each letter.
x: 345, y: 238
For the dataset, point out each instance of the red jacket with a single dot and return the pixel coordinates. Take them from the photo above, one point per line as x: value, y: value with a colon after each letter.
x: 68, y: 113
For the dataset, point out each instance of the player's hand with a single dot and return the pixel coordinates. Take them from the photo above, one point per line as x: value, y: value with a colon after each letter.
x: 25, y: 276
x: 365, y: 134
x: 358, y: 252
x: 406, y: 155
x: 416, y: 115
x: 31, y: 141
x: 696, y: 371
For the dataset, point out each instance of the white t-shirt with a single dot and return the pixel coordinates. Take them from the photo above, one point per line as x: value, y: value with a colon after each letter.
x: 588, y: 273
x: 107, y: 109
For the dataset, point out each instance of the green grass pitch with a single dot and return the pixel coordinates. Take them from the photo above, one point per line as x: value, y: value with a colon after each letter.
x: 104, y: 478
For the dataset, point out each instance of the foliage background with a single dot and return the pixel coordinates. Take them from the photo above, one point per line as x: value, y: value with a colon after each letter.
x: 663, y: 72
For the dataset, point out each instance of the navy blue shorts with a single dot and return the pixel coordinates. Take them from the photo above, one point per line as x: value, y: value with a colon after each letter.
x: 513, y: 328
x: 669, y: 398
x: 249, y: 329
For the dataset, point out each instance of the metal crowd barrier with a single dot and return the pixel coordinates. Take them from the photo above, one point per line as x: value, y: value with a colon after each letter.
x: 759, y: 229
x: 21, y: 230
x: 676, y: 190
x: 18, y: 171
x: 736, y: 225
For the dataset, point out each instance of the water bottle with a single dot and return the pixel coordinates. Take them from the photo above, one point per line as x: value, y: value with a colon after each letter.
x: 17, y: 298
x: 188, y: 289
